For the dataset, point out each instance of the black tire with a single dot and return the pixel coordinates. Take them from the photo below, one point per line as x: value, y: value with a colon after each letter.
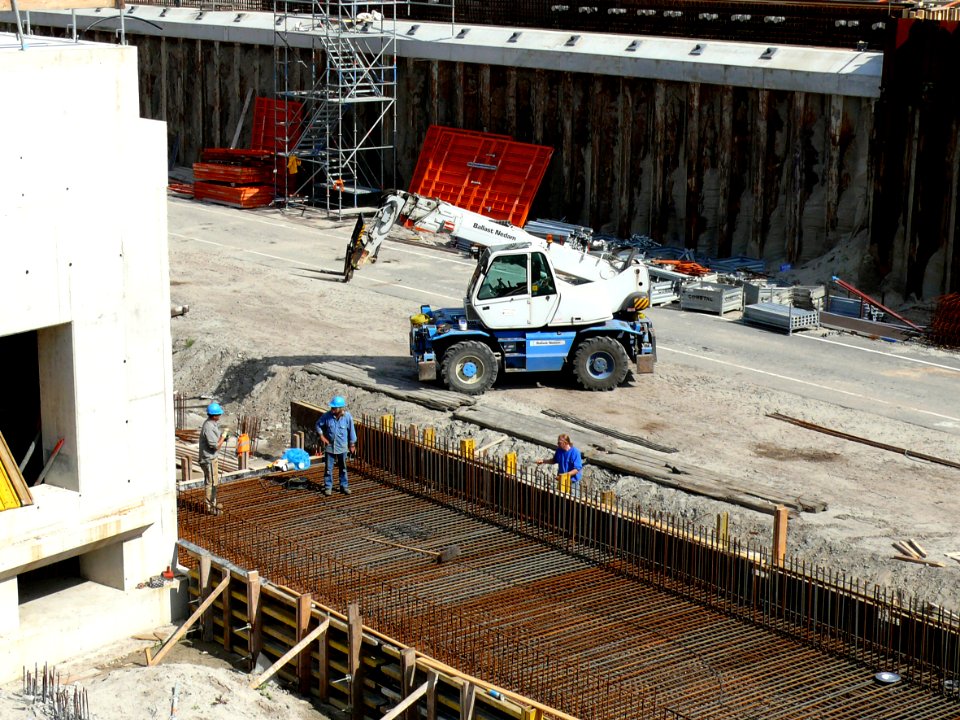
x: 600, y: 363
x: 470, y: 367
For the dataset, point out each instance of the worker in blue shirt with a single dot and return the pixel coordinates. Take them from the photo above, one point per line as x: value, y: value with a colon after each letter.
x: 337, y: 436
x: 568, y: 460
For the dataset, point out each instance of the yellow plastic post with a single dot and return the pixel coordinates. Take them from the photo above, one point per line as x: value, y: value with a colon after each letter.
x: 386, y: 423
x: 510, y: 463
x: 429, y: 436
x: 723, y: 526
x: 468, y: 446
x: 563, y: 482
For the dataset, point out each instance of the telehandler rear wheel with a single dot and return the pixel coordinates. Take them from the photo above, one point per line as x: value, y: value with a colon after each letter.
x: 469, y: 367
x: 600, y: 363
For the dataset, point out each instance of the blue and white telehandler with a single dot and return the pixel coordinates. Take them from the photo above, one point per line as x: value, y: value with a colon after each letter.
x: 532, y: 305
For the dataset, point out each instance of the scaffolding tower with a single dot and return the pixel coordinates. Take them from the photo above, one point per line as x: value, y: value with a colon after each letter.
x: 335, y: 77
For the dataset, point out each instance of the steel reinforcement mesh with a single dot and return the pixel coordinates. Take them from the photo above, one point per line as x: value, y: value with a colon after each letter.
x: 590, y: 607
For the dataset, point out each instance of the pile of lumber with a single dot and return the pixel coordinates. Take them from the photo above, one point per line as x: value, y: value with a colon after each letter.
x: 239, y: 178
x: 912, y: 551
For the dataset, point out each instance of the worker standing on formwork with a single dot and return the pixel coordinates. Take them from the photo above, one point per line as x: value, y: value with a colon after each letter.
x: 337, y: 436
x: 569, y: 462
x: 211, y: 440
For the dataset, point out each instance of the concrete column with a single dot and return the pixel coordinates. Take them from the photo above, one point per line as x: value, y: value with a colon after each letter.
x: 118, y: 565
x: 9, y: 606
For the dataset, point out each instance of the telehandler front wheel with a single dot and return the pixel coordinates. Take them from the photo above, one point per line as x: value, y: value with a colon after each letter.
x: 469, y: 367
x: 600, y: 363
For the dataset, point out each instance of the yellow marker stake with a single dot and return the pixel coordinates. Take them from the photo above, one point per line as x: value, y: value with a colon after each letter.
x: 429, y: 436
x: 386, y: 423
x: 468, y: 447
x: 510, y: 463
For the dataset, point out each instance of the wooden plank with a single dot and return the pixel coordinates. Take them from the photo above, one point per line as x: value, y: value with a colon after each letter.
x: 432, y: 677
x: 398, y: 387
x: 321, y: 629
x: 254, y: 617
x: 780, y: 520
x: 205, y: 587
x: 227, y: 617
x: 8, y: 498
x: 865, y: 441
x: 919, y: 561
x: 304, y: 613
x: 468, y: 698
x: 407, y: 702
x: 634, y: 461
x: 408, y: 673
x: 905, y: 549
x: 323, y: 668
x: 354, y: 661
x: 182, y: 630
x: 13, y: 475
x: 916, y: 547
x: 25, y: 5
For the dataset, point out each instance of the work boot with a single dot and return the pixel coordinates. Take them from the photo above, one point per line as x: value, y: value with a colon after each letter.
x: 344, y: 489
x: 328, y: 491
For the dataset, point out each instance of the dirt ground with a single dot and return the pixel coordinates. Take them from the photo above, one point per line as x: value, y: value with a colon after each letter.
x: 203, y: 679
x: 874, y: 497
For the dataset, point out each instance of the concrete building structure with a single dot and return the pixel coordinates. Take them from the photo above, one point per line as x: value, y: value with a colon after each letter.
x: 85, y: 341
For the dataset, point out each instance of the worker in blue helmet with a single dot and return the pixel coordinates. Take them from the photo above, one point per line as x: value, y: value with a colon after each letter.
x: 337, y: 436
x: 211, y: 440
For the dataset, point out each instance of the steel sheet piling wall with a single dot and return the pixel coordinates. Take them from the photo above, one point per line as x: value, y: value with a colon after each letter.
x: 725, y: 170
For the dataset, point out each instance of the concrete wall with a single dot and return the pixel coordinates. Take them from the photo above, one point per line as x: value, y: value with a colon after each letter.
x: 85, y: 263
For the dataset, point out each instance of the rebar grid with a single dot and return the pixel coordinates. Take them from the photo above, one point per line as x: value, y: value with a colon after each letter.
x: 554, y: 609
x: 57, y: 701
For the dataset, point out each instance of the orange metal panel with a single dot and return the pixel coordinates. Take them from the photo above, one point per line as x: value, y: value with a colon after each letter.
x: 277, y: 124
x: 482, y: 172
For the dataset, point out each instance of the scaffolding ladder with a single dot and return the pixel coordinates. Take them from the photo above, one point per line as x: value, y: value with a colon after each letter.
x: 335, y: 78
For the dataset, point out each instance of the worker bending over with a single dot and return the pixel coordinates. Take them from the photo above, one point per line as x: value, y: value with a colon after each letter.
x: 211, y: 440
x: 337, y: 436
x: 568, y: 461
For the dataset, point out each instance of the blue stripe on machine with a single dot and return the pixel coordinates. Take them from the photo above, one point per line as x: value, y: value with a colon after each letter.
x: 547, y: 351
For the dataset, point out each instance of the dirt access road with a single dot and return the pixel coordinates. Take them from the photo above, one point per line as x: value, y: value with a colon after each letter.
x: 261, y: 309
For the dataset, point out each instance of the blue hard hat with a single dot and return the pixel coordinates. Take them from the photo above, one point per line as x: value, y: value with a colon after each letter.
x: 338, y: 402
x: 214, y: 409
